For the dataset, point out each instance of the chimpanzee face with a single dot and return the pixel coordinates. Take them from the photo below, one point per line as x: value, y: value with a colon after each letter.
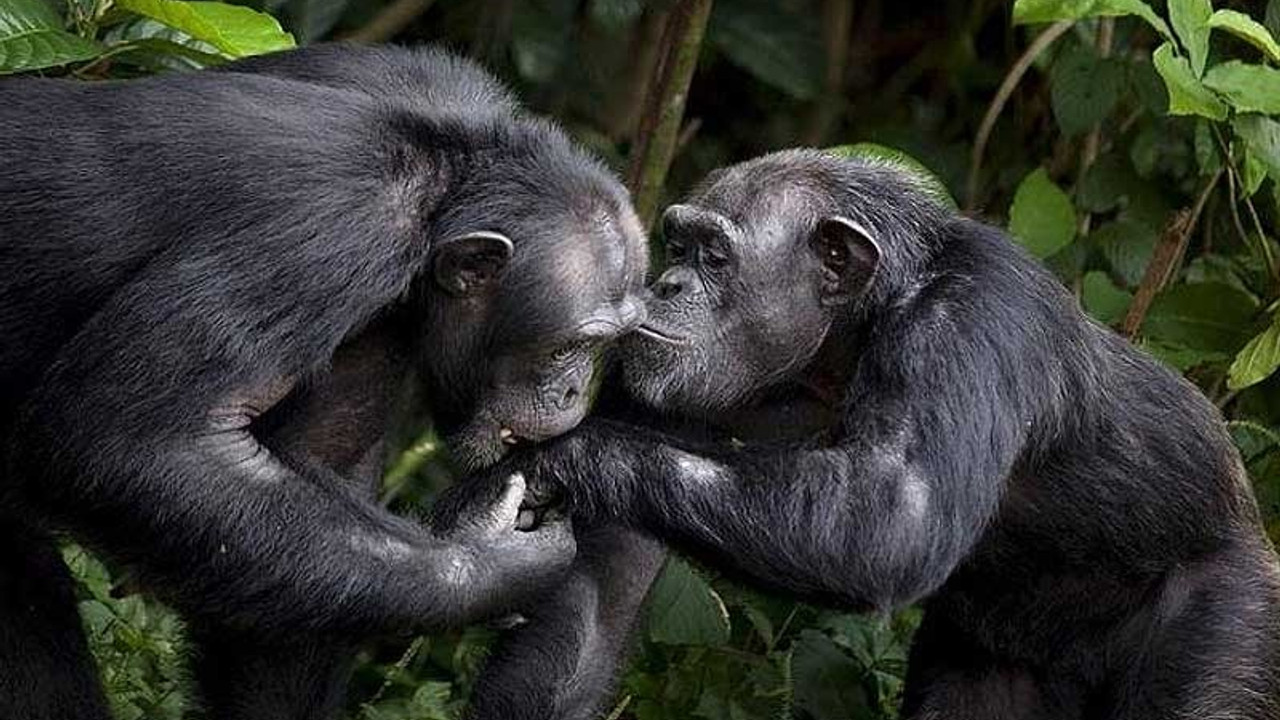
x: 536, y: 282
x: 760, y: 264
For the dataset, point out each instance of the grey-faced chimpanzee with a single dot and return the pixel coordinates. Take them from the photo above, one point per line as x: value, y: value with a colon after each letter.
x: 213, y: 287
x: 1072, y: 513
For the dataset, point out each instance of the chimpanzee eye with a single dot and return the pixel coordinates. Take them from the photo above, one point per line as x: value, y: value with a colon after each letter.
x: 675, y: 252
x: 714, y: 258
x: 564, y: 354
x: 834, y: 253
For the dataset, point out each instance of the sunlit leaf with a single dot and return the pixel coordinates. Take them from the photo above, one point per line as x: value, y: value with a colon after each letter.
x: 1190, y: 19
x: 234, y: 30
x: 1042, y: 217
x: 1257, y: 360
x: 1247, y: 29
x: 1249, y: 87
x: 1040, y: 11
x: 31, y: 38
x: 929, y: 182
x: 1187, y: 96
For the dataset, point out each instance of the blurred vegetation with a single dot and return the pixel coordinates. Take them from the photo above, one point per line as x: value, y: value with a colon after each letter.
x: 1133, y: 146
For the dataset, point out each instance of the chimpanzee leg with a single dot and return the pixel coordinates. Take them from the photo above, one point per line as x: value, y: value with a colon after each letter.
x: 1211, y: 647
x: 337, y: 421
x: 46, y: 672
x: 563, y: 663
x: 950, y: 679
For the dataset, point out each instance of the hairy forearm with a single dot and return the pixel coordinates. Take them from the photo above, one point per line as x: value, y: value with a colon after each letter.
x: 227, y: 531
x: 849, y: 524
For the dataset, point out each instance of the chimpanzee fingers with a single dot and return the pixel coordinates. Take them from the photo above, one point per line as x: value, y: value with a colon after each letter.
x: 507, y: 510
x: 470, y: 506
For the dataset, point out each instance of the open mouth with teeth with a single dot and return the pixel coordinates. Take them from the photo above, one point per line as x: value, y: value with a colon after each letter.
x: 659, y: 334
x: 508, y: 436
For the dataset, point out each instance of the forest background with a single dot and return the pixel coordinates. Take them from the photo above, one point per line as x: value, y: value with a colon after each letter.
x: 1134, y: 147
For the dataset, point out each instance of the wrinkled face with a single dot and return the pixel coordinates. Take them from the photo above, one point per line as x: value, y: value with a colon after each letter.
x: 522, y: 310
x: 756, y: 275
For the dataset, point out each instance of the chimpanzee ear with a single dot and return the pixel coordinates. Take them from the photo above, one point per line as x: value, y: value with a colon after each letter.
x: 470, y: 264
x: 849, y: 257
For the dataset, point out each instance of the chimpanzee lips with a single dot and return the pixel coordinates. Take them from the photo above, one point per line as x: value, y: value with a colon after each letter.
x: 658, y: 334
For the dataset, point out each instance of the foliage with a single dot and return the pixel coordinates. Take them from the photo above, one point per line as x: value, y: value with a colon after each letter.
x: 142, y: 34
x: 1139, y: 157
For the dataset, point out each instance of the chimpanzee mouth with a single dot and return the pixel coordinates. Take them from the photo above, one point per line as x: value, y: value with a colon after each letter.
x: 661, y: 336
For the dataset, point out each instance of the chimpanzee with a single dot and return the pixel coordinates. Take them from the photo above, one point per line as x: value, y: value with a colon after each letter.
x: 1073, y: 514
x: 213, y: 289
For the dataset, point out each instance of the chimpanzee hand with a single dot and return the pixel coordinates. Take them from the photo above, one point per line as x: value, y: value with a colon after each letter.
x: 511, y: 552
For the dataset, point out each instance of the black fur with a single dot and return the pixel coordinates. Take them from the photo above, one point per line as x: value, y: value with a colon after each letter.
x: 1073, y: 514
x: 213, y: 287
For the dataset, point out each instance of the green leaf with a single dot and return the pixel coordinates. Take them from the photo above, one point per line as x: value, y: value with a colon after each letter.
x: 235, y: 31
x: 685, y: 610
x: 1208, y: 157
x: 1252, y: 173
x: 1207, y: 317
x: 156, y: 46
x: 1247, y: 29
x: 1248, y: 87
x: 31, y: 38
x: 929, y: 183
x: 431, y: 701
x: 543, y: 43
x: 1190, y: 19
x: 1186, y: 95
x: 1085, y: 89
x: 1259, y: 358
x: 825, y: 680
x: 1127, y: 245
x: 779, y: 46
x: 1040, y: 11
x: 1102, y: 299
x: 1261, y: 136
x: 1042, y: 217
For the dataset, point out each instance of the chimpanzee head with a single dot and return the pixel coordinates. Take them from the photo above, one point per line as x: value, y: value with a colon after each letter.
x: 765, y: 261
x: 538, y: 262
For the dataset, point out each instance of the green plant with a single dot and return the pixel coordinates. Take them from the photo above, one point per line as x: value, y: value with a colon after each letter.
x: 140, y: 35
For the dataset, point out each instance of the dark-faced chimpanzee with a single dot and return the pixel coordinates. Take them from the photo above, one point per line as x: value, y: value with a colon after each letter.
x: 213, y: 288
x: 1073, y: 515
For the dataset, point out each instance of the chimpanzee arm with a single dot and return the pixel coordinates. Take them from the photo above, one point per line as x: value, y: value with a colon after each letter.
x: 563, y: 663
x: 933, y: 427
x: 141, y: 438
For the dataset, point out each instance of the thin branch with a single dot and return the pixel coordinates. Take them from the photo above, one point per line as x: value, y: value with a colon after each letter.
x: 837, y: 22
x: 1235, y: 180
x: 390, y: 21
x: 660, y: 122
x: 1011, y: 80
x: 643, y: 53
x: 1165, y: 259
x: 1093, y: 141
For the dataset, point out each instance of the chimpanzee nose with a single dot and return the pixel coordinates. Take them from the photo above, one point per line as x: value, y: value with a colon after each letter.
x: 666, y: 289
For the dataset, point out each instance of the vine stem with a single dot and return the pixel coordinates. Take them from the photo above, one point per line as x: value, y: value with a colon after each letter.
x: 1165, y: 258
x: 659, y: 126
x: 390, y: 21
x: 1011, y: 80
x: 1093, y: 141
